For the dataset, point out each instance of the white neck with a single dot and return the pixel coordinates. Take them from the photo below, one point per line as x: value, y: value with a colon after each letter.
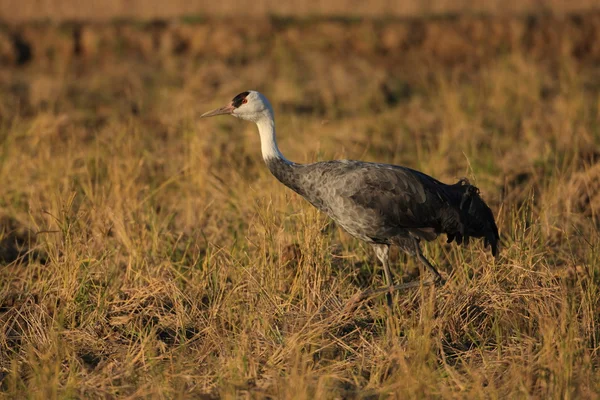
x: 268, y: 143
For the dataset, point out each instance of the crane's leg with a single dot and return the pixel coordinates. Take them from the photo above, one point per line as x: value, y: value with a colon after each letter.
x: 437, y: 277
x: 382, y: 251
x: 383, y: 254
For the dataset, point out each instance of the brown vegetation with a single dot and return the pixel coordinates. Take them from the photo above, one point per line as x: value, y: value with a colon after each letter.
x: 144, y: 253
x: 103, y: 10
x: 465, y: 41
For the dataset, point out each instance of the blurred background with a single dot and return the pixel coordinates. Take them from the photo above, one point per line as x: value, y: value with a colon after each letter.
x: 98, y: 10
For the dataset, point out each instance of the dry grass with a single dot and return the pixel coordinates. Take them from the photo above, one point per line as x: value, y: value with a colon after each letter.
x: 144, y: 253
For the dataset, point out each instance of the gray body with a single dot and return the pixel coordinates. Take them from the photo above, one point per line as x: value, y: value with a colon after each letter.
x: 385, y: 204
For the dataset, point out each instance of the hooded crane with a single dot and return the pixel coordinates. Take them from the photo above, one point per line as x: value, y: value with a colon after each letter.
x: 380, y: 204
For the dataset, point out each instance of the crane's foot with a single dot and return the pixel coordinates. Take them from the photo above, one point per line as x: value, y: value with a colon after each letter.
x: 438, y: 280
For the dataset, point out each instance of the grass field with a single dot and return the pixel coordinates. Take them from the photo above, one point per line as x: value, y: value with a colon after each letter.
x: 145, y: 253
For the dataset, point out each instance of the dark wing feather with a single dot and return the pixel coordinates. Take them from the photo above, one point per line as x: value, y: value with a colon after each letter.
x: 377, y: 201
x: 401, y: 197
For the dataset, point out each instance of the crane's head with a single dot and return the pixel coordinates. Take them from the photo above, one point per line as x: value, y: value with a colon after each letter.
x: 250, y: 105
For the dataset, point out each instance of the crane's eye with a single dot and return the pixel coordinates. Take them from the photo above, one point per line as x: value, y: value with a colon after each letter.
x: 244, y: 101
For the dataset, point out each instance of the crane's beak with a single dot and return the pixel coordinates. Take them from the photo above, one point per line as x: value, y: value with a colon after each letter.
x: 228, y: 109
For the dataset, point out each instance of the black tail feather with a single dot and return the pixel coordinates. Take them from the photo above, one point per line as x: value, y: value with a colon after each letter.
x: 476, y: 218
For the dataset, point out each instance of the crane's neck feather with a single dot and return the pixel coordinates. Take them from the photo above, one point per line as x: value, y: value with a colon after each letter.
x: 283, y: 169
x: 268, y: 142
